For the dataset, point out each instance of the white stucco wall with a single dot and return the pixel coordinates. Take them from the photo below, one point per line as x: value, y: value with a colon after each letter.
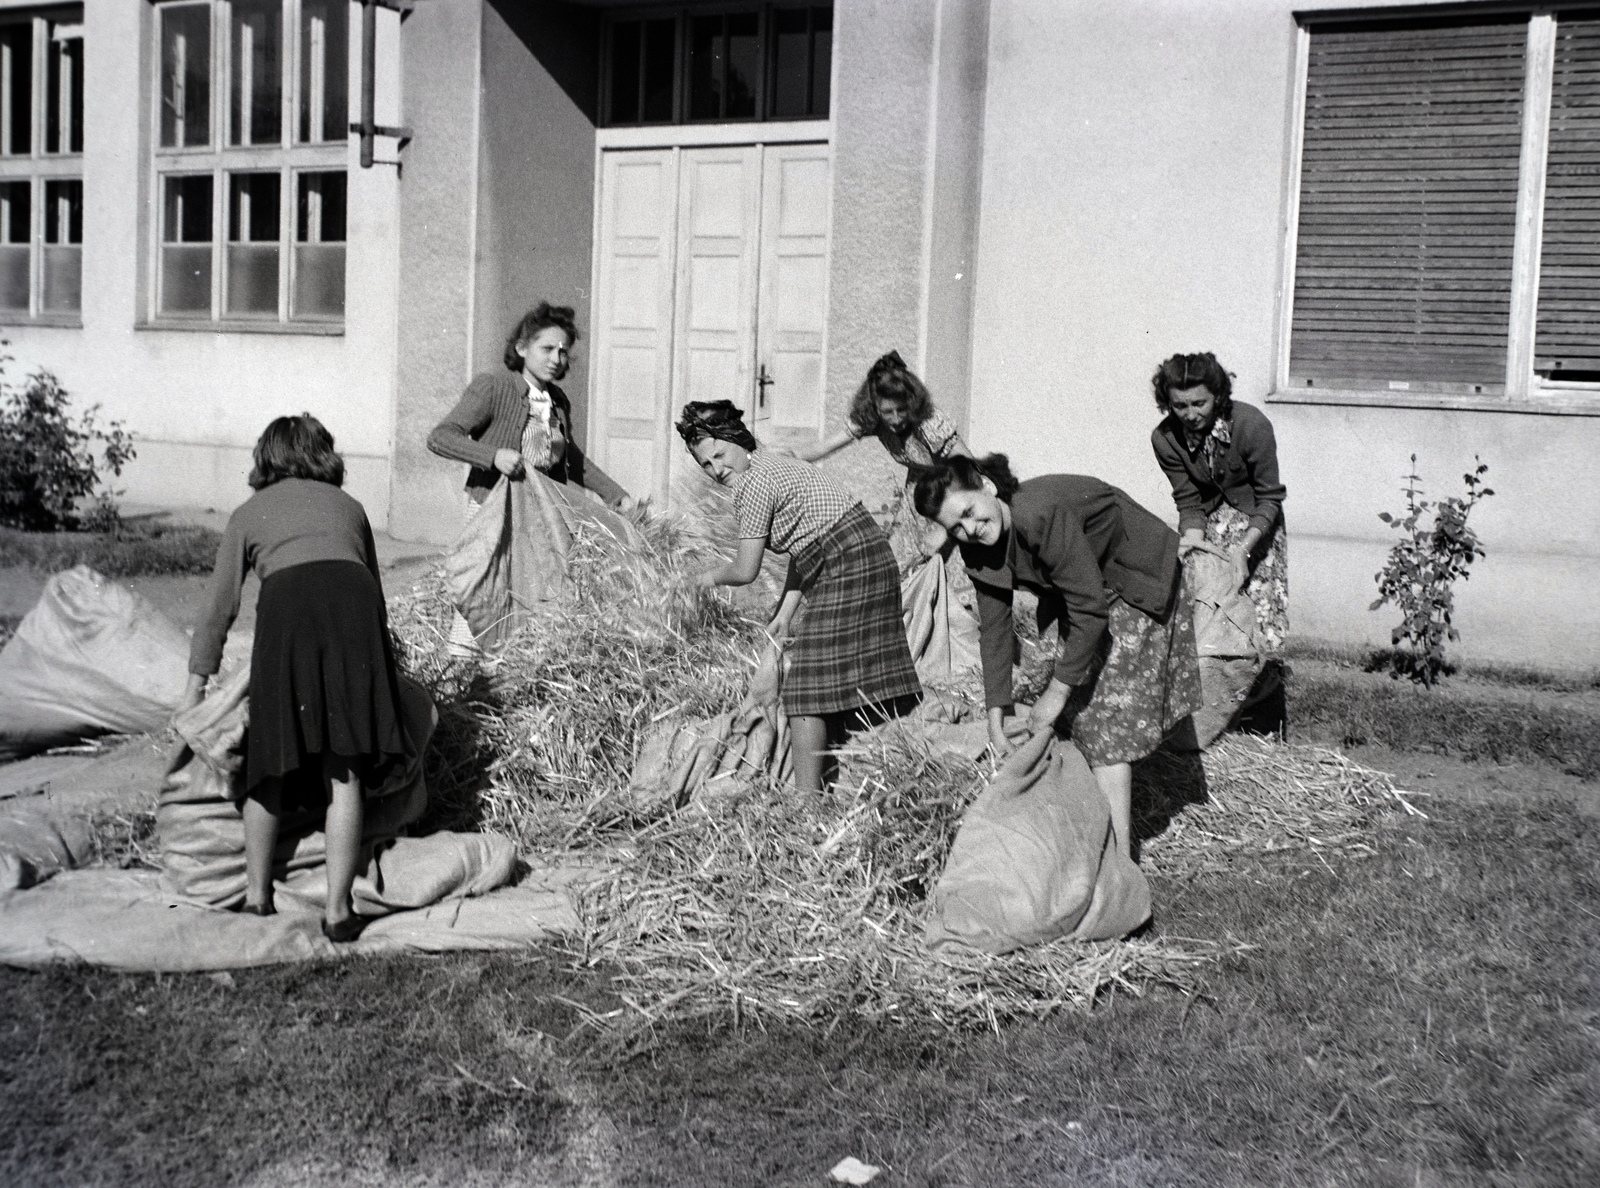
x: 1133, y: 198
x: 197, y: 400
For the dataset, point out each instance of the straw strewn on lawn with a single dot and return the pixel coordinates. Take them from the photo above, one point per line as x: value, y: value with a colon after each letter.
x: 762, y: 903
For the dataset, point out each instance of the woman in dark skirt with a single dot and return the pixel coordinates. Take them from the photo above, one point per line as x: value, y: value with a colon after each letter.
x: 848, y: 660
x: 324, y: 696
x: 1106, y: 571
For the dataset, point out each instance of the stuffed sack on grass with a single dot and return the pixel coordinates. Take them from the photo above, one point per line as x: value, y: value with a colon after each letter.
x: 1035, y: 860
x: 92, y: 657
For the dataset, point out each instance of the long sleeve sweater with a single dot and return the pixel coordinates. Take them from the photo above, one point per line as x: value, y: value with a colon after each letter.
x: 1246, y: 475
x: 491, y: 415
x: 1075, y: 541
x: 292, y: 522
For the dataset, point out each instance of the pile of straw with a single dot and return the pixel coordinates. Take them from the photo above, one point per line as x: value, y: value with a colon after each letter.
x: 759, y: 903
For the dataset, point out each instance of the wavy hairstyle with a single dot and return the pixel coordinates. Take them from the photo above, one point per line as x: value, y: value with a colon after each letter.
x: 296, y: 447
x: 889, y: 379
x: 540, y: 317
x: 960, y: 473
x: 714, y: 418
x: 1185, y: 371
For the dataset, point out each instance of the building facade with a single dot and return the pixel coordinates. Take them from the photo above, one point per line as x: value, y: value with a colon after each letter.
x: 1376, y: 216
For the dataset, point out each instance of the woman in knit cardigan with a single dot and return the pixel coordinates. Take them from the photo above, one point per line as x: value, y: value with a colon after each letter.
x: 509, y: 421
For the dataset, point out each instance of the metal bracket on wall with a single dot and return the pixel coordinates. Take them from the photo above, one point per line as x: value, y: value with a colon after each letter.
x: 369, y: 128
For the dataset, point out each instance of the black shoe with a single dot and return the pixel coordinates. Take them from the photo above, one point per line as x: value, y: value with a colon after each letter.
x: 344, y: 931
x: 259, y: 909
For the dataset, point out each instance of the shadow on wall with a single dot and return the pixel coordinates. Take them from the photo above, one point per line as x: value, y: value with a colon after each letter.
x: 548, y: 31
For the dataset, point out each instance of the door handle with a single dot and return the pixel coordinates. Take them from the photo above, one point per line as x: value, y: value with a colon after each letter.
x: 763, y: 382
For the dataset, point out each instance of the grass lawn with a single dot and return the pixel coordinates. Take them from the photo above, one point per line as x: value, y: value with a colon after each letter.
x: 142, y: 548
x: 1427, y: 1015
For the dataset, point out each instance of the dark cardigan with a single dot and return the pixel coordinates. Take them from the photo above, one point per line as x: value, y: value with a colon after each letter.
x: 1074, y: 540
x: 491, y: 415
x: 1247, y: 478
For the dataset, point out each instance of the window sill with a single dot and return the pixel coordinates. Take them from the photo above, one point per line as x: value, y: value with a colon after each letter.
x: 1549, y: 403
x: 243, y: 326
x: 63, y: 321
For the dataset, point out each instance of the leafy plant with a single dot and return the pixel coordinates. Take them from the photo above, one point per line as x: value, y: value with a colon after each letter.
x: 1422, y: 569
x: 49, y: 468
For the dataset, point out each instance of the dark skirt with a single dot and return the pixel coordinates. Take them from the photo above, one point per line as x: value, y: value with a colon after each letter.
x: 322, y: 675
x: 1148, y: 684
x: 849, y: 650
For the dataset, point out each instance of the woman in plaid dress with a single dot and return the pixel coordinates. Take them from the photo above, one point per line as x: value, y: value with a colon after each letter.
x: 848, y: 659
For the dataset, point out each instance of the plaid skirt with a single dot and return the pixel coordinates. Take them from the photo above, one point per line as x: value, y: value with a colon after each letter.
x: 1148, y: 684
x: 849, y: 650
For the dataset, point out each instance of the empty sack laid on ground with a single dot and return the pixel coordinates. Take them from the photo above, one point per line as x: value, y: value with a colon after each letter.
x: 1035, y: 860
x: 92, y: 657
x: 202, y: 832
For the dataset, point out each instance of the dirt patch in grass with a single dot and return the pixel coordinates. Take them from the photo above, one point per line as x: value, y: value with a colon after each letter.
x: 1476, y: 720
x: 140, y: 550
x: 1425, y: 1015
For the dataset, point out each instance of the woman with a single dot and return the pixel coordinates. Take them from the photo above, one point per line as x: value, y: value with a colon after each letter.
x: 1106, y: 570
x: 848, y: 660
x: 324, y: 696
x: 509, y: 421
x: 1222, y: 461
x: 894, y: 406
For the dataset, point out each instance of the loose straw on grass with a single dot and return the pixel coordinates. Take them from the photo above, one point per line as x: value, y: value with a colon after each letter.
x: 760, y: 903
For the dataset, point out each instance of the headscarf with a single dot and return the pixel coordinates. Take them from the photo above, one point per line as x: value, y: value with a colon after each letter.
x: 720, y: 419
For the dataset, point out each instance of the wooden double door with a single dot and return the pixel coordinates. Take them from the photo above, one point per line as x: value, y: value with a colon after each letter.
x: 711, y: 285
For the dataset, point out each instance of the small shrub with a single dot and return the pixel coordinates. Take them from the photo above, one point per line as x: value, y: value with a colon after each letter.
x: 1422, y: 569
x: 48, y: 463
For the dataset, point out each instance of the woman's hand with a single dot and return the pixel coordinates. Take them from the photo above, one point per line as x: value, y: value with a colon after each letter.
x: 1048, y: 708
x: 999, y: 745
x: 1239, y: 563
x: 1194, y: 538
x: 508, y: 463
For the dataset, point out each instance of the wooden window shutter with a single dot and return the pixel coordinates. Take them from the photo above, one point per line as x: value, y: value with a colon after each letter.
x: 1408, y: 200
x: 1567, y: 337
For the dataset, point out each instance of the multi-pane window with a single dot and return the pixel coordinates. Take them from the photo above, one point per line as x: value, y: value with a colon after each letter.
x: 1449, y: 207
x: 250, y: 147
x: 41, y: 147
x: 762, y: 62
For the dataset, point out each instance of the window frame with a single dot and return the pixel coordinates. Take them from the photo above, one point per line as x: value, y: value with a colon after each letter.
x: 681, y: 15
x: 287, y: 158
x: 39, y: 167
x: 1525, y: 391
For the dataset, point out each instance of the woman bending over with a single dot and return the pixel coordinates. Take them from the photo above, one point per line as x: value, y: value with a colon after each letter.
x: 848, y: 660
x: 324, y: 697
x: 1106, y: 571
x: 1222, y: 460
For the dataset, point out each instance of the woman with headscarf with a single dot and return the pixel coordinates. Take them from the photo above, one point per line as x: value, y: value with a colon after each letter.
x: 848, y: 663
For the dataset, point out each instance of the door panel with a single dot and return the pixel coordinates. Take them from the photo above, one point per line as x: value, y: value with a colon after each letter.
x: 633, y: 340
x: 794, y: 290
x: 712, y: 275
x: 719, y: 196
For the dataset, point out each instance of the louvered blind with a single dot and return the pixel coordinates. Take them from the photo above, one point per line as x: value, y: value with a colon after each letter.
x: 1408, y: 199
x: 1567, y: 337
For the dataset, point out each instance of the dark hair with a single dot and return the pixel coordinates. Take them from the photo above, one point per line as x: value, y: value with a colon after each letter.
x: 296, y: 447
x: 714, y: 418
x: 889, y: 379
x: 540, y: 317
x: 957, y: 471
x: 1185, y: 371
